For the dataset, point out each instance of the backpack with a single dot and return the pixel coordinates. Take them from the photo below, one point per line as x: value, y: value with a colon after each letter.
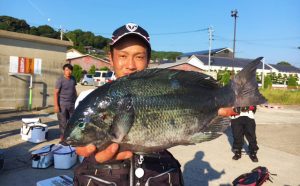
x: 256, y: 177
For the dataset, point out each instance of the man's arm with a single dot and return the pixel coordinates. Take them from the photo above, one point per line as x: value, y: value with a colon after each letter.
x: 56, y: 106
x: 227, y: 111
x: 75, y: 87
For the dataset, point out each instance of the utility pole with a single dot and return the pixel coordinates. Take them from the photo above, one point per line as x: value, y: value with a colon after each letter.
x: 234, y: 13
x: 210, y: 31
x: 263, y: 74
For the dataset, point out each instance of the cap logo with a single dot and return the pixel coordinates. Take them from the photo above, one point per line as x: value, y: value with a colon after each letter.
x: 131, y: 27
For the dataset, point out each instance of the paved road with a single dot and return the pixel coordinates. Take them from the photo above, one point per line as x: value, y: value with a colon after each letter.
x: 207, y: 163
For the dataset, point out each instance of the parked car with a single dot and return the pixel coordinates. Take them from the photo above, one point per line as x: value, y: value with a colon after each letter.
x: 87, y: 79
x: 99, y: 78
x: 110, y: 76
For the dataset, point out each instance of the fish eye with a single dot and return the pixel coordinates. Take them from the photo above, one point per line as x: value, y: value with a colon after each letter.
x: 81, y: 125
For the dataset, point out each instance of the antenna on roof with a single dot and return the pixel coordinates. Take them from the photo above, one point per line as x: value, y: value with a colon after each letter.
x: 62, y: 31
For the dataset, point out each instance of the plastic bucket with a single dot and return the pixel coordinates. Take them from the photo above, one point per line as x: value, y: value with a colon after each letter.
x: 43, y: 158
x: 65, y: 157
x: 34, y: 132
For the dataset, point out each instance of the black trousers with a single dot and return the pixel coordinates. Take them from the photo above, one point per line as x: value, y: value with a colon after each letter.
x: 64, y: 114
x: 244, y: 126
x: 162, y: 170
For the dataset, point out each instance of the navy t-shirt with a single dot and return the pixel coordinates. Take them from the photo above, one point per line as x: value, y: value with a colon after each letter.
x: 67, y: 91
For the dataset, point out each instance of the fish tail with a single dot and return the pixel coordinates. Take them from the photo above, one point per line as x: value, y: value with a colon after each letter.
x: 245, y: 87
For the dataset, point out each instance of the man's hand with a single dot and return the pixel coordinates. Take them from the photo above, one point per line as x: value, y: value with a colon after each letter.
x: 56, y: 109
x: 107, y: 154
x: 228, y: 111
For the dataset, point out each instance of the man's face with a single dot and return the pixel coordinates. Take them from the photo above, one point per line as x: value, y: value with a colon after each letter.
x: 67, y: 72
x: 129, y: 56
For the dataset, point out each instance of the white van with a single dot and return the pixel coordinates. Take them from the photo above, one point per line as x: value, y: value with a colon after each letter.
x: 110, y: 76
x: 99, y: 77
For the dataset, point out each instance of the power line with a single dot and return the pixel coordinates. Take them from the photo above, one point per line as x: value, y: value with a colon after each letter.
x: 272, y: 39
x: 165, y: 33
x: 182, y: 32
x: 250, y: 42
x: 262, y: 39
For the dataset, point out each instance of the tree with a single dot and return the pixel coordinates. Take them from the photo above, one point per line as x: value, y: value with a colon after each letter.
x: 258, y: 77
x: 224, y: 77
x: 284, y: 63
x: 15, y: 25
x: 292, y: 82
x: 81, y: 38
x: 34, y: 31
x: 77, y: 72
x: 47, y: 31
x: 101, y: 42
x: 160, y: 55
x: 104, y: 68
x: 267, y: 82
x: 92, y: 70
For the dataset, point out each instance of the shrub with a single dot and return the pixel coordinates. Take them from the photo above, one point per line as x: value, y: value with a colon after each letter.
x: 267, y: 82
x: 292, y: 82
x: 225, y: 78
x: 92, y: 70
x: 104, y: 68
x: 77, y: 72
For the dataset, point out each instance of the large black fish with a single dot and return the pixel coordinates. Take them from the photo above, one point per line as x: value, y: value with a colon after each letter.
x: 156, y: 109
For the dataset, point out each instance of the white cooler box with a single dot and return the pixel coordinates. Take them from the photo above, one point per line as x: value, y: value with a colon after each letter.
x: 62, y: 180
x: 65, y: 157
x: 34, y: 131
x: 43, y: 158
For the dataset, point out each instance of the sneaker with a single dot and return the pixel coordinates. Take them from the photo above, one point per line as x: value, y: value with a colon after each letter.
x: 237, y: 155
x: 253, y: 157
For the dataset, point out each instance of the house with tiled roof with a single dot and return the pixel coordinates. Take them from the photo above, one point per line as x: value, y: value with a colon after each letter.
x: 221, y: 59
x: 87, y: 61
x: 219, y: 52
x: 225, y: 63
x: 285, y: 69
x: 200, y: 63
x: 73, y: 53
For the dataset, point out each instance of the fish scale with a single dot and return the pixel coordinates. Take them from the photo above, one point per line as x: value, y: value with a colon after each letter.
x: 156, y: 109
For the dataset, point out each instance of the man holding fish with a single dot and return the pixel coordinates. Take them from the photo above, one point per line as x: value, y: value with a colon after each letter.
x: 130, y: 52
x: 125, y: 126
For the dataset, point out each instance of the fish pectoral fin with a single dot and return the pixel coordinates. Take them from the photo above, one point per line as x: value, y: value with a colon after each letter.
x: 204, y: 136
x: 123, y: 119
x: 213, y: 130
x: 218, y: 124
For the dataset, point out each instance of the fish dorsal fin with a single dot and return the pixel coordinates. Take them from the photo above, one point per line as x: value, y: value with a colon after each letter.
x: 184, y: 77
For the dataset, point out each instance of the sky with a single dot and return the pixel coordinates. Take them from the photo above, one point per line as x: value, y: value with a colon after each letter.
x: 265, y: 28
